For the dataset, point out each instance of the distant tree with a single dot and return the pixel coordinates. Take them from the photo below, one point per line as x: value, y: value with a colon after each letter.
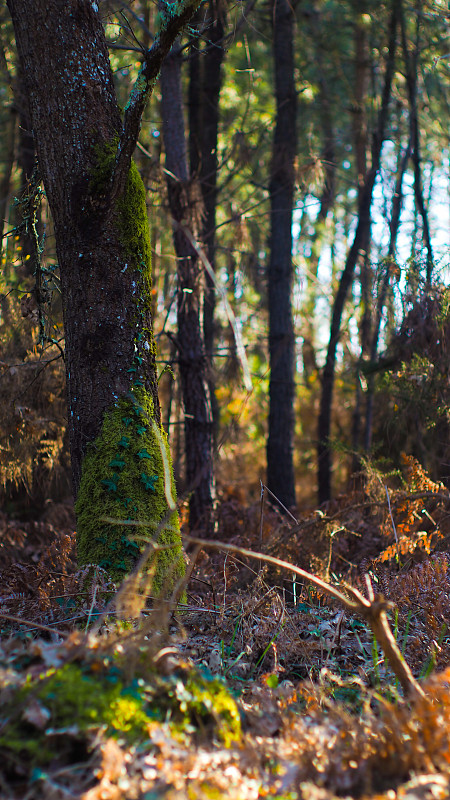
x: 360, y: 243
x: 9, y: 128
x: 205, y: 81
x: 324, y: 67
x: 280, y: 443
x: 411, y: 63
x: 185, y: 203
x: 120, y: 463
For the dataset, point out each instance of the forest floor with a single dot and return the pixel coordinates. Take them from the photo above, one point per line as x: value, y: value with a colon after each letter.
x: 259, y: 686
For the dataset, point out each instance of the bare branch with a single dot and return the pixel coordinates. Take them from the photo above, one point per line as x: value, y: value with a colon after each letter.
x: 174, y: 16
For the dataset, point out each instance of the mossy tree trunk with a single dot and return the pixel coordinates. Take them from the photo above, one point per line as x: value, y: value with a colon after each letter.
x: 97, y: 200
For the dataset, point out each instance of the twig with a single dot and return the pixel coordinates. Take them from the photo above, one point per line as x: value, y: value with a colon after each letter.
x: 281, y: 505
x: 228, y: 310
x: 20, y: 621
x: 393, y: 525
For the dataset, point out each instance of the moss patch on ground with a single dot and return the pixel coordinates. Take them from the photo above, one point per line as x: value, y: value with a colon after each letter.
x: 77, y: 700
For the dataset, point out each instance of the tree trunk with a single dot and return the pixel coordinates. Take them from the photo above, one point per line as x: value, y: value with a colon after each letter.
x: 327, y: 198
x: 412, y: 73
x: 205, y: 82
x: 185, y: 205
x: 359, y: 243
x: 280, y: 468
x: 5, y: 180
x: 360, y: 143
x: 120, y: 464
x: 397, y: 201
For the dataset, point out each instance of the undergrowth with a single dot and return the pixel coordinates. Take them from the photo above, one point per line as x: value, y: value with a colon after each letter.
x: 258, y: 686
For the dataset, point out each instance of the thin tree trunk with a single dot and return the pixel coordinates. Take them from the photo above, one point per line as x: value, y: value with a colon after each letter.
x: 360, y: 140
x: 326, y: 200
x: 10, y: 135
x: 205, y: 81
x: 411, y: 68
x: 26, y: 160
x: 5, y: 182
x: 393, y: 231
x: 185, y: 206
x: 359, y: 243
x: 280, y: 467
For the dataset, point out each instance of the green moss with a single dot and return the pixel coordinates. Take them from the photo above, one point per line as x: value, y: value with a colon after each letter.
x: 132, y: 218
x: 123, y: 478
x: 135, y: 237
x: 72, y: 696
x: 133, y: 221
x: 75, y: 700
x: 72, y: 699
x: 206, y: 700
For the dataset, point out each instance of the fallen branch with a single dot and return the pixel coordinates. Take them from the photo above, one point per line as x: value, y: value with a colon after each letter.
x: 372, y: 609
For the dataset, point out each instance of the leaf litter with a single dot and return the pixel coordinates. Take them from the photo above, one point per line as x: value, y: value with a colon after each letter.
x: 261, y: 686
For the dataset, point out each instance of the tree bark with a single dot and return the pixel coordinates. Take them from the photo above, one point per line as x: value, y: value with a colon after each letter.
x: 205, y: 81
x: 97, y: 200
x: 360, y: 143
x: 359, y: 243
x: 185, y: 207
x: 5, y: 180
x: 280, y: 444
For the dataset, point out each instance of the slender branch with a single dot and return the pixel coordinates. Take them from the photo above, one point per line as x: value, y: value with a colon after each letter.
x: 174, y: 16
x: 31, y: 624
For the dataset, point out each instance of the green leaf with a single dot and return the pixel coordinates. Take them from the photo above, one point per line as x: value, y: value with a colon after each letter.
x: 127, y: 421
x: 149, y: 481
x: 140, y: 430
x: 111, y: 484
x: 117, y: 462
x: 124, y: 442
x: 143, y: 453
x: 129, y: 544
x: 138, y: 383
